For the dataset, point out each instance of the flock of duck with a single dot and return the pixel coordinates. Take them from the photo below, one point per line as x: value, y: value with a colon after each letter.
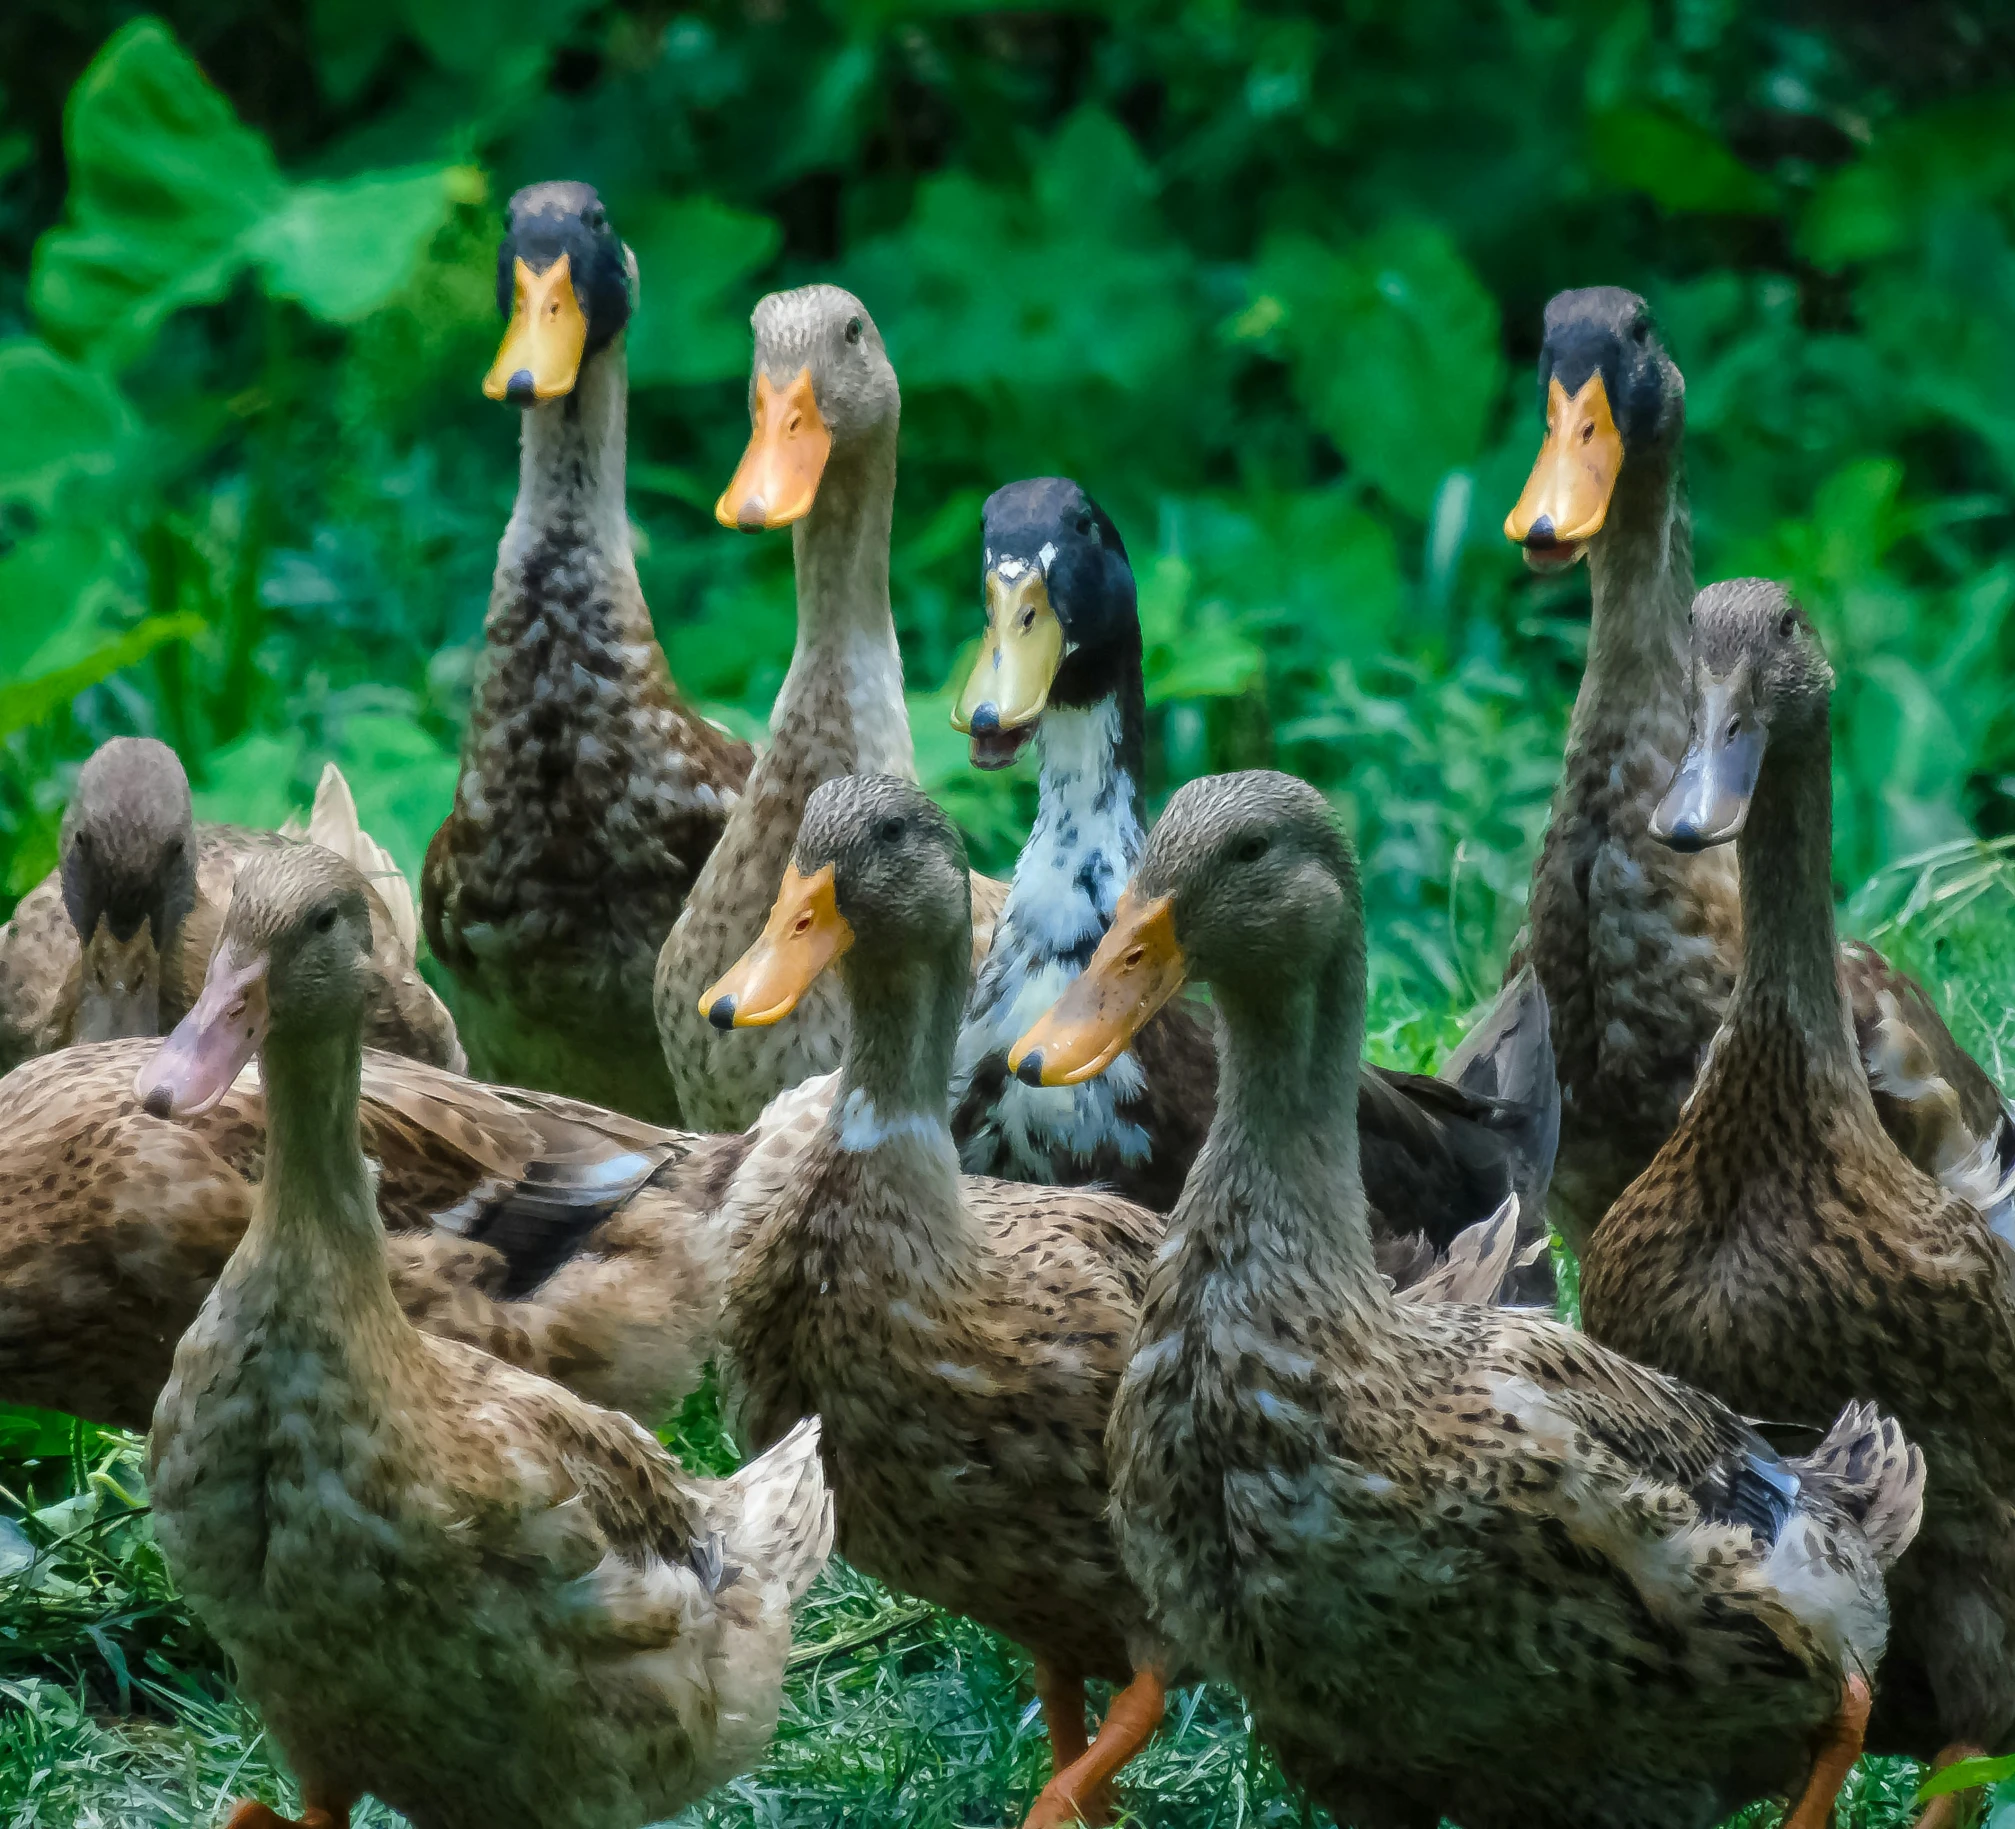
x: 1164, y: 1353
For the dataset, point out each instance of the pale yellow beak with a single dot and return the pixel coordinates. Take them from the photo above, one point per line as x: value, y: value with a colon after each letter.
x: 1138, y: 967
x: 778, y: 477
x: 1009, y: 685
x: 1566, y: 498
x: 805, y: 933
x: 540, y: 357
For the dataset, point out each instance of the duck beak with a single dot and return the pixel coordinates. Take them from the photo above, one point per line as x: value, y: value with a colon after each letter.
x: 1009, y: 685
x: 1138, y: 967
x: 1566, y: 497
x: 805, y: 934
x: 540, y: 357
x: 119, y: 986
x: 1708, y: 801
x: 778, y: 477
x: 211, y: 1046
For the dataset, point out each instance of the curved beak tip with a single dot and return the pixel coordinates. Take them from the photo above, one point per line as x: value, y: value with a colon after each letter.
x: 1541, y: 531
x: 1029, y: 1072
x: 156, y: 1102
x: 521, y: 389
x: 752, y: 514
x: 986, y: 719
x: 721, y: 1012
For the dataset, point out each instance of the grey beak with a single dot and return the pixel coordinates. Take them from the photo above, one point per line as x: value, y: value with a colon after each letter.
x: 1708, y: 801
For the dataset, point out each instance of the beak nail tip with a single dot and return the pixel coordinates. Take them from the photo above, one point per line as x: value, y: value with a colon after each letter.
x: 156, y: 1102
x: 1030, y: 1070
x: 521, y: 389
x: 721, y: 1013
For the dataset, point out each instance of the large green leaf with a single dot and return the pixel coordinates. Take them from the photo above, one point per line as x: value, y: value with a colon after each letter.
x: 63, y: 419
x: 1676, y: 163
x: 694, y: 261
x: 1395, y: 347
x: 342, y: 250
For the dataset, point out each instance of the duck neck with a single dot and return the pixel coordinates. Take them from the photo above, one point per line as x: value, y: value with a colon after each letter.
x: 895, y: 1078
x: 1787, y: 1000
x: 1641, y: 586
x: 571, y: 480
x: 1283, y: 1175
x: 846, y: 631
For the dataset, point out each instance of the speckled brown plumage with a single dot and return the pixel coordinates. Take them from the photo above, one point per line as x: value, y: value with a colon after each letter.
x: 1781, y: 1252
x: 1462, y: 1562
x: 443, y: 1581
x: 590, y: 792
x: 559, y: 1237
x: 1638, y: 946
x: 958, y: 1336
x: 42, y: 958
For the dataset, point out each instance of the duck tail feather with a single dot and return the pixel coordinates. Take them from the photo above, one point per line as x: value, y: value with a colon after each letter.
x: 1478, y: 1260
x: 782, y: 1512
x: 1508, y: 1056
x: 1874, y: 1473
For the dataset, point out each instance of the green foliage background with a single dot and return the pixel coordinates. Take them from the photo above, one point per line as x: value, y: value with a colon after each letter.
x: 1266, y: 278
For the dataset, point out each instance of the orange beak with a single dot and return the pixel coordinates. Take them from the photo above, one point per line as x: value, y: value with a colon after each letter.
x: 1566, y: 498
x: 540, y: 357
x: 778, y: 477
x: 1138, y: 967
x: 806, y: 932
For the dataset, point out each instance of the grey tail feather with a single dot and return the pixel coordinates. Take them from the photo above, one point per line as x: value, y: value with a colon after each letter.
x: 1874, y: 1473
x: 779, y: 1513
x: 1509, y: 1056
x: 1476, y: 1263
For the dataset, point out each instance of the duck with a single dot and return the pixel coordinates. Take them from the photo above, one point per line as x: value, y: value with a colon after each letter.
x: 445, y: 1582
x: 1637, y: 945
x: 1463, y: 1561
x: 573, y: 1242
x: 1780, y: 1208
x: 113, y: 941
x: 1060, y: 667
x: 824, y: 406
x: 590, y: 791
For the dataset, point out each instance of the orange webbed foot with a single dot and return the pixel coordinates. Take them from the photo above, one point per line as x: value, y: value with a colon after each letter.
x: 252, y: 1814
x: 1082, y: 1793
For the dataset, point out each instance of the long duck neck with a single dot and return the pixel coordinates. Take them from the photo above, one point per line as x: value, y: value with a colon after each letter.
x: 846, y: 630
x: 1279, y: 1177
x: 1641, y: 586
x: 1788, y: 1009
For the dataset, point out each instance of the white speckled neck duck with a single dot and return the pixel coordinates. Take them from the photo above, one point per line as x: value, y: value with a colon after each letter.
x: 821, y: 460
x: 1779, y: 1210
x: 113, y: 942
x: 1463, y: 1562
x: 444, y: 1582
x: 1062, y: 665
x: 590, y: 792
x: 1635, y: 944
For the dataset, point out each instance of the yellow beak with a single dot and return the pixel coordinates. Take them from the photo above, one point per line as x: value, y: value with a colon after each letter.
x: 806, y: 932
x: 1566, y: 498
x: 778, y: 478
x: 1009, y: 685
x: 540, y: 357
x: 1138, y: 967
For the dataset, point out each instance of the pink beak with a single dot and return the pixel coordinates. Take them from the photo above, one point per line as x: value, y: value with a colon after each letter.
x: 209, y: 1048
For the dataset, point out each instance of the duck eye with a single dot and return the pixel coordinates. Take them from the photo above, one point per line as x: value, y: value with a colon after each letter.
x: 597, y: 217
x: 1253, y: 849
x: 1734, y: 728
x: 1788, y: 627
x: 855, y: 330
x: 325, y: 922
x: 1084, y: 524
x: 1640, y: 332
x: 891, y: 829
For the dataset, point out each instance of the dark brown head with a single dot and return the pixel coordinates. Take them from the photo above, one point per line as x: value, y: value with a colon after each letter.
x: 565, y: 288
x: 1246, y: 884
x: 293, y: 965
x: 1612, y: 397
x: 878, y: 872
x: 1761, y: 685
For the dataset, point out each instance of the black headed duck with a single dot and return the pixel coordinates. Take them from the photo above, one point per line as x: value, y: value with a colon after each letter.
x: 1462, y: 1561
x: 590, y: 792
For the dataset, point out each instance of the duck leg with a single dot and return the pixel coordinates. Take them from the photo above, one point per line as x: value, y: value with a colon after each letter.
x: 1954, y: 1807
x: 1062, y: 1699
x: 1081, y: 1792
x: 1837, y: 1754
x: 321, y: 1809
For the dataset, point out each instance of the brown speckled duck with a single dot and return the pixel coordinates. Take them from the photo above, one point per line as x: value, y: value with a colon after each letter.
x: 1463, y: 1562
x: 1061, y: 666
x: 445, y: 1582
x: 562, y: 1238
x: 114, y: 940
x: 1637, y: 945
x: 590, y: 792
x: 821, y: 460
x: 959, y: 1337
x: 1779, y: 1250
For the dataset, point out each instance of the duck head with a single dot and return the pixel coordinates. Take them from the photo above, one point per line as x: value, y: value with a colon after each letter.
x: 128, y: 873
x: 1612, y: 396
x: 1063, y: 624
x: 566, y: 285
x: 292, y: 969
x: 1761, y: 682
x: 821, y: 383
x: 878, y: 876
x: 1245, y: 885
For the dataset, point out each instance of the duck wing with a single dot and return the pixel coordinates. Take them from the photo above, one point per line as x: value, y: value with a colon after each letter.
x: 39, y: 963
